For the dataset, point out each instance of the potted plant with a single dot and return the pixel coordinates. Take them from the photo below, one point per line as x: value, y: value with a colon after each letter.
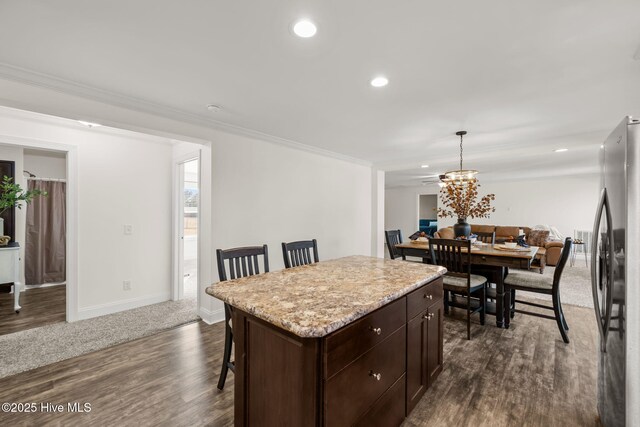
x: 461, y: 201
x: 11, y: 196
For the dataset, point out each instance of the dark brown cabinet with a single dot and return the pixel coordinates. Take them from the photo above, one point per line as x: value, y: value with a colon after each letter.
x: 371, y: 372
x: 424, y: 342
x: 434, y: 327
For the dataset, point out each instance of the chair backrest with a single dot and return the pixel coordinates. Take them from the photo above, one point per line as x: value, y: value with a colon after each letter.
x: 453, y: 254
x: 393, y: 238
x: 299, y: 253
x: 242, y: 262
x: 566, y: 251
x: 486, y: 237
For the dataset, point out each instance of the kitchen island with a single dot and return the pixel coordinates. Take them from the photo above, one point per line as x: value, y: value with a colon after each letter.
x: 352, y: 341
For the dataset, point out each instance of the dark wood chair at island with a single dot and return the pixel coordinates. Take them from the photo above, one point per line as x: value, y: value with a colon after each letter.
x: 393, y: 238
x: 455, y: 255
x: 526, y: 281
x: 241, y: 262
x: 299, y: 253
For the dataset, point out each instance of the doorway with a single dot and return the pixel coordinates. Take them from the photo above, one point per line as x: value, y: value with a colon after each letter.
x: 188, y: 222
x: 428, y: 213
x: 38, y: 241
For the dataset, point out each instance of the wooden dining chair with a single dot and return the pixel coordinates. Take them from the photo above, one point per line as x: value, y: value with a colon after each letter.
x: 393, y: 238
x: 526, y: 281
x: 299, y: 253
x: 486, y: 237
x: 239, y: 262
x: 455, y: 255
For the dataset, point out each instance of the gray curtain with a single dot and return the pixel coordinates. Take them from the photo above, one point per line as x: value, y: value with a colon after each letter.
x: 46, y: 245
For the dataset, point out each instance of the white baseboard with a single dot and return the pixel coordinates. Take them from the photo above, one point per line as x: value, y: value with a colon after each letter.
x: 44, y: 285
x: 210, y: 317
x: 117, y: 306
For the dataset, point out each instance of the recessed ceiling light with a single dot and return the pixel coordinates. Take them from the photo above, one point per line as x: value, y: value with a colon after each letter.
x: 214, y: 108
x: 305, y: 29
x: 561, y: 150
x: 89, y: 124
x: 424, y: 166
x: 379, y: 81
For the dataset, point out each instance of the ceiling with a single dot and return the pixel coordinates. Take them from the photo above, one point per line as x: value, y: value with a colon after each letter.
x: 523, y: 78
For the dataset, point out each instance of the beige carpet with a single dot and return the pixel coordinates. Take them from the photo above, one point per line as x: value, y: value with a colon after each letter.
x: 575, y: 285
x: 29, y: 349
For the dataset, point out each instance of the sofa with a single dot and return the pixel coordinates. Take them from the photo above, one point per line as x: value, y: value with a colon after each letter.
x: 428, y: 226
x: 549, y: 250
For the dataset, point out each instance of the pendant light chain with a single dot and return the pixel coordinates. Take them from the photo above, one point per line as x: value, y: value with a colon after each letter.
x: 460, y: 152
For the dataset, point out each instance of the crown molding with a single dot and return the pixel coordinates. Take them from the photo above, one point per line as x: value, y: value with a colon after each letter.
x: 68, y: 87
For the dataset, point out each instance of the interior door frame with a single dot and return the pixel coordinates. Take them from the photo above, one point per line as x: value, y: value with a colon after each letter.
x: 72, y: 212
x: 177, y: 287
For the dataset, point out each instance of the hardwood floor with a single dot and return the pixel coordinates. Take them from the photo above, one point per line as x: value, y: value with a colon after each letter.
x: 40, y: 306
x: 165, y: 379
x: 524, y: 376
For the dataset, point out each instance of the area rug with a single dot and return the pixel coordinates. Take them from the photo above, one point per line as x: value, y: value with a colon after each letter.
x: 575, y: 285
x: 32, y: 348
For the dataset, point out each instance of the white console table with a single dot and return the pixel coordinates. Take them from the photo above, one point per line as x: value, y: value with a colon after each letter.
x: 10, y: 270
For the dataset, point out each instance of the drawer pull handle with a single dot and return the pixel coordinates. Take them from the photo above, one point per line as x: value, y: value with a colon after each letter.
x: 428, y: 316
x: 377, y: 331
x: 428, y: 296
x: 375, y: 376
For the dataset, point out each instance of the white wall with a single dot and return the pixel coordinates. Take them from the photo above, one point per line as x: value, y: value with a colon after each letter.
x: 378, y: 246
x: 569, y: 203
x: 45, y: 165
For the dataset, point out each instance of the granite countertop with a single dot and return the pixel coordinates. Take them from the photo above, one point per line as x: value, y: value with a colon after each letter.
x: 315, y: 300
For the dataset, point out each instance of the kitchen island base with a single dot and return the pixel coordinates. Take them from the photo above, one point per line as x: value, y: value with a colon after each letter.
x: 370, y: 372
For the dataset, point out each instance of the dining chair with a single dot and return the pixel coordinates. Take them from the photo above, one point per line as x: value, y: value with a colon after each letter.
x: 455, y: 255
x: 393, y: 238
x: 536, y: 283
x: 299, y: 253
x: 486, y: 237
x: 241, y: 262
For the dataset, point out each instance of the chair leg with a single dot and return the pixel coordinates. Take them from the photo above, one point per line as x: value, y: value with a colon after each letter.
x: 446, y: 302
x: 483, y: 313
x: 469, y: 316
x: 564, y: 319
x: 226, y: 358
x: 558, y: 315
x: 512, y: 312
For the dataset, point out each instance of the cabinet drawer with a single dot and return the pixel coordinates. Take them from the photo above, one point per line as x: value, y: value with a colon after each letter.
x: 420, y: 299
x: 350, y: 393
x: 347, y: 344
x: 388, y: 410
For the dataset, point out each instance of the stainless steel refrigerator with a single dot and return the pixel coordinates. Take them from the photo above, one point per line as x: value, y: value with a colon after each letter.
x: 615, y: 258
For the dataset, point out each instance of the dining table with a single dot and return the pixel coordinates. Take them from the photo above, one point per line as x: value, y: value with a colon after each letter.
x: 494, y: 262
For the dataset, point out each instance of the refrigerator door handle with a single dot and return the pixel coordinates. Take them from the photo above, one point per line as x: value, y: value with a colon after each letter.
x: 594, y: 260
x: 610, y: 273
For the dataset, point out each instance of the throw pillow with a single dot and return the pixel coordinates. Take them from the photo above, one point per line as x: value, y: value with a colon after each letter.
x: 538, y: 237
